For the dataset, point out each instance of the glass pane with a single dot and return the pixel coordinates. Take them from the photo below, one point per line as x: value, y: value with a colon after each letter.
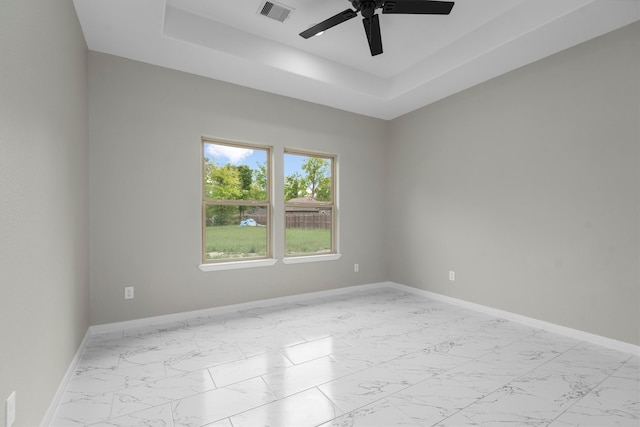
x: 235, y: 232
x: 308, y: 230
x: 307, y: 177
x: 234, y: 173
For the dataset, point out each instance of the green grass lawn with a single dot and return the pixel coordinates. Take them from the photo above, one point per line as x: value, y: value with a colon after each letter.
x: 232, y: 241
x: 307, y: 241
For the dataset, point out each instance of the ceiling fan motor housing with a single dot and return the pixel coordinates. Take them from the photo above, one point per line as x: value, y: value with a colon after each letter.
x: 366, y: 7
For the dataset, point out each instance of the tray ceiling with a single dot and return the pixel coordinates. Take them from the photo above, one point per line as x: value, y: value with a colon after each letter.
x: 426, y: 57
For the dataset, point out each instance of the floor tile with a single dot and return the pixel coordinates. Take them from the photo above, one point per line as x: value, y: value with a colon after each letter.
x: 364, y: 356
x: 367, y: 358
x: 160, y: 353
x: 159, y: 416
x: 378, y: 414
x: 359, y: 389
x: 631, y: 369
x: 310, y: 350
x: 81, y: 409
x: 201, y: 359
x: 291, y: 380
x: 421, y: 365
x: 155, y: 393
x: 251, y: 367
x: 221, y: 403
x: 435, y: 399
x: 270, y: 342
x: 614, y: 402
x: 306, y: 409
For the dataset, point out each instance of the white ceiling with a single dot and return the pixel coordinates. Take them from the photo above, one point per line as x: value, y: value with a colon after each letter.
x: 426, y: 57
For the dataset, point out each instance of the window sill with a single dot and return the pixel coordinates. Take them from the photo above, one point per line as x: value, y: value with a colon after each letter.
x: 237, y: 265
x: 311, y: 258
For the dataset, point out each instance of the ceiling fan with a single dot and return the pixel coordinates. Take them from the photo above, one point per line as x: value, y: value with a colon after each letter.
x: 371, y: 21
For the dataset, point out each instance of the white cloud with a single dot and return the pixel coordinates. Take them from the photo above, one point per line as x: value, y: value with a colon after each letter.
x: 234, y: 155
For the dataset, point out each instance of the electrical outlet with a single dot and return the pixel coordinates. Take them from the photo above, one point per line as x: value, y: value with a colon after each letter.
x: 452, y: 276
x: 356, y: 268
x: 10, y: 410
x: 128, y: 292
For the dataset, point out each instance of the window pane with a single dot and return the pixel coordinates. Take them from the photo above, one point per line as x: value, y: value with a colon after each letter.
x: 234, y: 173
x: 307, y: 177
x: 308, y: 230
x: 235, y: 232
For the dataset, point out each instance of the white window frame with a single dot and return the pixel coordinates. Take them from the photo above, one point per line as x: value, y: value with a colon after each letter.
x: 229, y: 263
x: 333, y: 205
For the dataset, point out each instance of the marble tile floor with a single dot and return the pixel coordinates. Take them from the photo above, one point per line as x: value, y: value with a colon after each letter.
x: 377, y: 358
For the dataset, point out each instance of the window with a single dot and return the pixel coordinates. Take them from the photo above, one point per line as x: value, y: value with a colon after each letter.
x: 310, y: 207
x: 236, y: 203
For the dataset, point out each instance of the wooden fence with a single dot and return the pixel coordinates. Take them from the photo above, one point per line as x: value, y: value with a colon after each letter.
x: 312, y: 220
x: 308, y: 220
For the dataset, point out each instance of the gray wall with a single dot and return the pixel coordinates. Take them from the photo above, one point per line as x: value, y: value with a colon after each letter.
x: 528, y: 187
x: 145, y: 128
x: 44, y: 241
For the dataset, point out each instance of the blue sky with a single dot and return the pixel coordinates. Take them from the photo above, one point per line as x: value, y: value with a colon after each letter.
x: 293, y: 164
x: 223, y: 154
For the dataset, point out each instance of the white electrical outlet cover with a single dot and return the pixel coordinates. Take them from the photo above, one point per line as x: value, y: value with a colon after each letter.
x: 10, y: 410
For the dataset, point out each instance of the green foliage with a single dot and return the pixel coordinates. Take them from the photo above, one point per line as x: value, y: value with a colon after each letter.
x: 222, y: 182
x: 221, y: 215
x: 260, y: 182
x: 229, y: 182
x: 323, y: 192
x: 229, y: 215
x: 225, y: 239
x: 317, y: 173
x: 245, y: 176
x: 294, y: 186
x: 315, y: 184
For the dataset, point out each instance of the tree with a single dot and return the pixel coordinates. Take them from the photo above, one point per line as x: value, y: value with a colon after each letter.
x: 226, y: 182
x: 294, y: 186
x: 260, y: 182
x: 317, y: 178
x: 324, y: 190
x: 223, y: 182
x: 245, y: 174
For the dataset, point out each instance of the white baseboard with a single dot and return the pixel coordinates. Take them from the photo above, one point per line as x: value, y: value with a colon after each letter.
x: 529, y: 321
x: 161, y: 320
x: 49, y: 416
x: 177, y: 317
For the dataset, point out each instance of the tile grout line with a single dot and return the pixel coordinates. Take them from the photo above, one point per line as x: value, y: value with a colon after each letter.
x: 511, y: 381
x: 393, y: 315
x: 593, y: 388
x: 434, y: 346
x: 489, y: 393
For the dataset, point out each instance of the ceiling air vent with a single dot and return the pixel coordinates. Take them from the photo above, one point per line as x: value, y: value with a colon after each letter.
x: 274, y: 10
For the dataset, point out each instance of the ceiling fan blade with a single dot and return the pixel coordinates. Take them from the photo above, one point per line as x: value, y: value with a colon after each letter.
x: 372, y: 28
x: 341, y: 17
x: 418, y: 7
